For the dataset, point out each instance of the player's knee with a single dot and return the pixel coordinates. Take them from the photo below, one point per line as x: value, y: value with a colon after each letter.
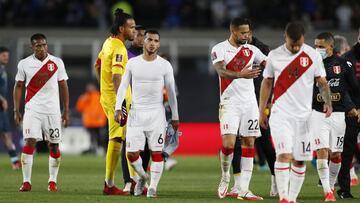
x: 335, y: 156
x: 133, y: 156
x: 283, y: 158
x: 228, y: 141
x: 298, y: 163
x: 248, y: 142
x: 322, y: 153
x: 30, y: 142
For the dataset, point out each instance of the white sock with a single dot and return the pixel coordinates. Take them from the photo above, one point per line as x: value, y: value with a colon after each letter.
x: 352, y: 173
x: 323, y: 171
x: 297, y: 177
x: 156, y: 170
x: 54, y: 165
x: 334, y: 171
x: 247, y: 165
x: 237, y: 180
x: 137, y: 165
x: 282, y: 176
x: 226, y: 163
x: 27, y: 162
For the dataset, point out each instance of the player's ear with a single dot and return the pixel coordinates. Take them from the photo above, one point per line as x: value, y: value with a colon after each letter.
x: 121, y: 29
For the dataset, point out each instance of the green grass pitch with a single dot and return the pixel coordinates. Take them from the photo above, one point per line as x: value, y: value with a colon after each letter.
x: 194, y: 179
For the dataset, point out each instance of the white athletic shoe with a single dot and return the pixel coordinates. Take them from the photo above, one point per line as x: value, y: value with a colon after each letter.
x: 127, y: 187
x: 140, y: 184
x: 249, y: 196
x: 151, y: 193
x: 223, y: 186
x: 274, y: 191
x: 170, y: 164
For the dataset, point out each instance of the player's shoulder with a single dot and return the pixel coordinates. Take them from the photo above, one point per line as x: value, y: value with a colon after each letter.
x: 135, y: 59
x: 55, y: 59
x: 221, y: 45
x: 310, y: 50
x: 27, y: 60
x: 343, y: 61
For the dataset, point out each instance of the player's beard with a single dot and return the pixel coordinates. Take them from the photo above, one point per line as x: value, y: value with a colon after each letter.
x: 151, y: 52
x: 241, y: 41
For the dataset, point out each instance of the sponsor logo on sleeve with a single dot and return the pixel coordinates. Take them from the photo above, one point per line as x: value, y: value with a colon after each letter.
x: 118, y: 58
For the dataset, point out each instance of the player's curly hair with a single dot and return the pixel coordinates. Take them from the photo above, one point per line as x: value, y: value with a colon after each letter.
x: 119, y: 20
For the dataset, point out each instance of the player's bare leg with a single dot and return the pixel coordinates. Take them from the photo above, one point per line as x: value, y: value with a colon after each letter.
x: 226, y: 156
x: 27, y: 162
x: 136, y: 163
x: 282, y: 175
x: 9, y: 145
x: 54, y: 165
x: 247, y: 165
x: 156, y: 169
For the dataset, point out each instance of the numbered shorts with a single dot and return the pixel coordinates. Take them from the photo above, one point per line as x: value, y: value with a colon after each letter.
x: 327, y: 132
x: 291, y: 136
x: 145, y: 125
x: 42, y: 127
x: 234, y: 118
x: 114, y: 128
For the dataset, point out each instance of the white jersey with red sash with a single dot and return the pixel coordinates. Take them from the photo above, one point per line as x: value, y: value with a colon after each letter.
x: 239, y: 91
x: 294, y: 79
x: 41, y: 80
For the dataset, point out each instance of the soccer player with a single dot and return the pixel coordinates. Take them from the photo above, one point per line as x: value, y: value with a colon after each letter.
x: 294, y: 67
x: 148, y: 73
x: 43, y: 76
x: 238, y: 111
x: 352, y: 127
x: 113, y: 61
x: 263, y: 143
x: 328, y: 133
x: 4, y: 116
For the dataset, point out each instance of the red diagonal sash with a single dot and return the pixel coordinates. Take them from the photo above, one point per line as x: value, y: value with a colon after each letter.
x: 291, y: 73
x: 236, y: 64
x: 40, y: 78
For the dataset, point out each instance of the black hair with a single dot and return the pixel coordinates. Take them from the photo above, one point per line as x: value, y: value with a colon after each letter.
x: 4, y: 49
x: 140, y: 27
x: 327, y: 36
x: 152, y: 32
x: 295, y: 30
x: 37, y: 36
x: 119, y: 20
x: 236, y: 22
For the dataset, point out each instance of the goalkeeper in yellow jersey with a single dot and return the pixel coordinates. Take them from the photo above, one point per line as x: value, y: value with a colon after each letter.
x: 113, y: 61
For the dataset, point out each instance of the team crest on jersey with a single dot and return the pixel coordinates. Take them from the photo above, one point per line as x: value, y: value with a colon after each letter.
x: 304, y: 61
x: 50, y: 67
x: 337, y: 69
x: 246, y: 52
x: 118, y: 58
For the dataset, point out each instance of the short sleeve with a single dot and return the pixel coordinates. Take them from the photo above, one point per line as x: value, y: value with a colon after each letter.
x: 269, y: 69
x: 98, y: 60
x: 259, y: 56
x: 119, y: 60
x: 319, y: 66
x: 62, y: 75
x: 20, y: 75
x: 217, y: 54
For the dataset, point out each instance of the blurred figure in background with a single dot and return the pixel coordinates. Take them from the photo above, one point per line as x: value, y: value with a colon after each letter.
x: 4, y: 116
x: 93, y: 118
x: 341, y: 45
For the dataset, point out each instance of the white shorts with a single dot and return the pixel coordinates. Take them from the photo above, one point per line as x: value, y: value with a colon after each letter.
x: 145, y: 125
x: 327, y: 132
x: 291, y: 136
x: 42, y: 126
x: 237, y: 118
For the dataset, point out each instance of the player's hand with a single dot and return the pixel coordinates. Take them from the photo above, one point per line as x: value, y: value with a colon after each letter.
x: 264, y: 121
x: 118, y: 115
x: 352, y: 113
x: 17, y: 118
x: 249, y: 73
x: 358, y: 115
x: 175, y: 124
x: 327, y: 110
x: 65, y: 119
x: 4, y: 104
